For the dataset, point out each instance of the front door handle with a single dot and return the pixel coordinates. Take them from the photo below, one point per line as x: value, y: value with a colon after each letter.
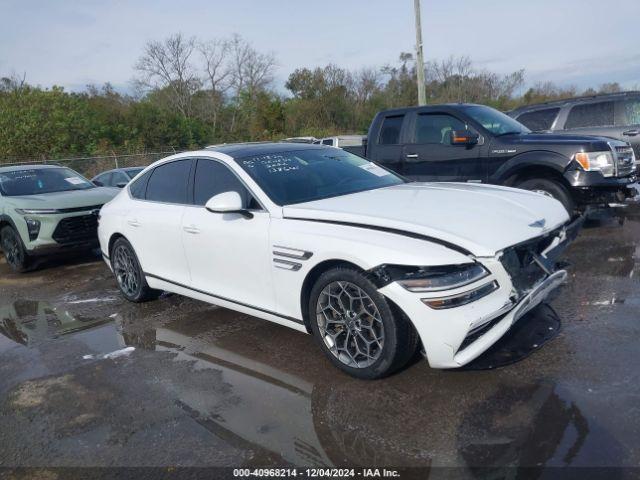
x: 631, y: 133
x: 133, y: 222
x: 412, y: 155
x: 191, y: 229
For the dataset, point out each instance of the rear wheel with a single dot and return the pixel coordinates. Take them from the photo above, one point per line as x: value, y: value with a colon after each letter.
x: 357, y: 327
x: 550, y: 188
x: 14, y: 251
x: 128, y: 273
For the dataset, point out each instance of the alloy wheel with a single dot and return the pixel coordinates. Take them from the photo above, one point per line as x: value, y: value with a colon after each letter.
x: 126, y: 270
x: 350, y: 324
x: 11, y: 249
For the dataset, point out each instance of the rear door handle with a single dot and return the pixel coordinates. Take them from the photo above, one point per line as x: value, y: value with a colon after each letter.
x: 412, y: 155
x: 631, y: 133
x: 134, y: 222
x: 191, y: 229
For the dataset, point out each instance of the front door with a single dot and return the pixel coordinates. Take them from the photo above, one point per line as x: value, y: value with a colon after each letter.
x: 228, y: 254
x: 430, y: 156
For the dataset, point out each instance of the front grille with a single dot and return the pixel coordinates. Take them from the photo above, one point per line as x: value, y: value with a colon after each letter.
x: 76, y: 229
x: 626, y: 160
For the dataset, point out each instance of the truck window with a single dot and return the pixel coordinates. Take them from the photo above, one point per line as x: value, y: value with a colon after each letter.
x: 539, y: 119
x: 598, y: 114
x: 390, y: 130
x: 630, y: 112
x: 436, y: 128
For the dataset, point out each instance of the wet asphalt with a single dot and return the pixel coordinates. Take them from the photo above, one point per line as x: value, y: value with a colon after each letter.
x: 87, y: 379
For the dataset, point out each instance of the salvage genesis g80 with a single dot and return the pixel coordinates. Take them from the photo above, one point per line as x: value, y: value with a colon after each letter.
x: 325, y: 242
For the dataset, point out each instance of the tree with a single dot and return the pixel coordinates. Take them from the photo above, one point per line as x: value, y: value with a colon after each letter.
x: 167, y: 66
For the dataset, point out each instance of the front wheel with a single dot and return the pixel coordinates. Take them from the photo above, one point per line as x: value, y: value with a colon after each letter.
x: 550, y: 188
x: 357, y: 328
x: 128, y: 273
x: 14, y: 251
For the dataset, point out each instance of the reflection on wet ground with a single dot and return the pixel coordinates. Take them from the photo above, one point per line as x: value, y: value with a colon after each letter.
x: 208, y: 386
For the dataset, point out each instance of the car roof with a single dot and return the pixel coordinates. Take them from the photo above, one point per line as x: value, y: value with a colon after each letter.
x: 239, y: 150
x: 564, y: 101
x: 17, y: 168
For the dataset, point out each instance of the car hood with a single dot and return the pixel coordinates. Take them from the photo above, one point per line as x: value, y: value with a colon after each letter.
x: 71, y: 199
x: 543, y: 139
x: 482, y: 219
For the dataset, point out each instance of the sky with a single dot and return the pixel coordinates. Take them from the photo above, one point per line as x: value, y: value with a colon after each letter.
x: 570, y: 42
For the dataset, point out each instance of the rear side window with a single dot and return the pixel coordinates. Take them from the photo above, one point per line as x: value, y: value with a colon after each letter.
x: 139, y: 187
x: 436, y: 128
x: 539, y: 119
x: 630, y: 112
x: 213, y: 178
x: 390, y: 130
x: 169, y: 182
x: 103, y: 180
x: 590, y: 115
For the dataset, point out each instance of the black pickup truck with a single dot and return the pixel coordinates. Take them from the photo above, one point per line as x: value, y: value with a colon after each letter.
x: 476, y: 143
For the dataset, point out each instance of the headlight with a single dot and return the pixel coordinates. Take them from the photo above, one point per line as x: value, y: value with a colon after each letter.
x: 597, y: 161
x: 36, y: 211
x: 33, y: 227
x: 461, y: 298
x: 434, y: 279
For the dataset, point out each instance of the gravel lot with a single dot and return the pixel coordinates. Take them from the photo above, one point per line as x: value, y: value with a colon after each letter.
x: 87, y: 379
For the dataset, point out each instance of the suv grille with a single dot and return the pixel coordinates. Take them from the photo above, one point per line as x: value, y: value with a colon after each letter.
x: 76, y: 229
x: 626, y: 160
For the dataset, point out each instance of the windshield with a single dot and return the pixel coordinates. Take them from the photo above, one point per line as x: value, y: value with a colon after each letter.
x: 35, y: 181
x: 132, y: 172
x: 307, y: 175
x: 494, y: 121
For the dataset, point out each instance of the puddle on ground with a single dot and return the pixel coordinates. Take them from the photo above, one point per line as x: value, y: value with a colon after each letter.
x: 316, y: 417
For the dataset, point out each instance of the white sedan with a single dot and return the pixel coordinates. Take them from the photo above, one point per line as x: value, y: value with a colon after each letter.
x: 327, y: 243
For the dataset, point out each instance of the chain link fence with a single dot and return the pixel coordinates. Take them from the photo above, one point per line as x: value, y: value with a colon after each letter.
x: 93, y: 165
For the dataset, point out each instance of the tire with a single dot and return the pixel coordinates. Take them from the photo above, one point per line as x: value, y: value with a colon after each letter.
x: 371, y: 320
x: 14, y: 251
x: 551, y: 188
x: 129, y: 275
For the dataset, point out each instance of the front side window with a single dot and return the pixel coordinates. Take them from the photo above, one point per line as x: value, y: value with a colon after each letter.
x: 307, y: 175
x: 36, y: 181
x: 436, y: 128
x: 630, y: 112
x: 390, y: 130
x: 169, y: 182
x: 539, y: 119
x: 598, y: 114
x: 494, y: 121
x: 213, y: 178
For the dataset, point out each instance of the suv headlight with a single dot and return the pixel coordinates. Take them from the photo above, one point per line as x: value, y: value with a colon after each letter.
x: 597, y: 161
x: 446, y: 277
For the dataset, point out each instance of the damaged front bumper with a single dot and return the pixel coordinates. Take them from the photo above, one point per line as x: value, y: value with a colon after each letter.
x: 525, y: 273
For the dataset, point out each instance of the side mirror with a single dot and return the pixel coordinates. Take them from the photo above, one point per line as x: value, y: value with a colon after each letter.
x: 464, y: 137
x: 228, y: 202
x: 98, y: 183
x: 121, y: 184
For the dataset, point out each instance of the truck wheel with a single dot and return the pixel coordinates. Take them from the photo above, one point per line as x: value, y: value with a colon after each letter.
x: 356, y: 327
x: 550, y: 188
x: 14, y: 251
x: 129, y: 275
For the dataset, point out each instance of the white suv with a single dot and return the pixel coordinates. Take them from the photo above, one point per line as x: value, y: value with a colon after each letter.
x: 325, y: 242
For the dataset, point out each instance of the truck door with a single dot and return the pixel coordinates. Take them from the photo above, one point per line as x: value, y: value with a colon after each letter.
x: 429, y: 155
x: 385, y: 145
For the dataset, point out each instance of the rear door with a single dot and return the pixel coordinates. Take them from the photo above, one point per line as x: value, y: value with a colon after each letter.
x: 386, y: 143
x: 154, y: 224
x: 430, y: 156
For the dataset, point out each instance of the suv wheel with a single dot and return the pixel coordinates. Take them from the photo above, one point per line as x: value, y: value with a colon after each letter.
x: 552, y: 189
x: 14, y: 251
x: 356, y: 327
x: 128, y: 273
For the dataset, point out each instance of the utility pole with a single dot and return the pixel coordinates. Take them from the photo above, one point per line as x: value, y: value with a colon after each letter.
x: 422, y: 96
